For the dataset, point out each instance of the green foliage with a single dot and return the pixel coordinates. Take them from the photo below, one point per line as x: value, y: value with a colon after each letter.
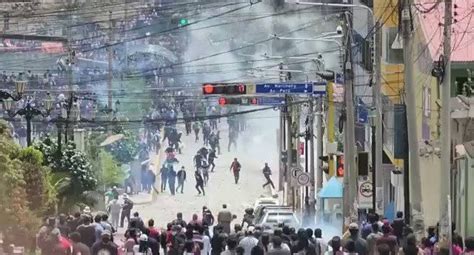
x: 39, y: 194
x: 17, y: 219
x: 125, y: 150
x: 74, y: 176
x: 112, y: 173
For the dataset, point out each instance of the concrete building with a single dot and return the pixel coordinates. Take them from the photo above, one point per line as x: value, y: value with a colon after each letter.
x: 428, y: 38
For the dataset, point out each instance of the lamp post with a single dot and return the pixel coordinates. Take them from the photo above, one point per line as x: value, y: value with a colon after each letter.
x: 20, y: 89
x: 373, y: 122
x: 29, y: 112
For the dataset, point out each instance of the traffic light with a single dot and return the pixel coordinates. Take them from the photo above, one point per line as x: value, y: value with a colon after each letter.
x: 183, y: 22
x: 224, y: 89
x: 340, y: 166
x: 237, y: 101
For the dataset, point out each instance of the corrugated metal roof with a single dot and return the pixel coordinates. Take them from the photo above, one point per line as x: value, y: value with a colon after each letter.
x: 462, y: 30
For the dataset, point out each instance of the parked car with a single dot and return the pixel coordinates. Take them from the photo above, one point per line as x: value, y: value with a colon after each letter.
x: 274, y: 218
x: 260, y: 212
x: 265, y: 201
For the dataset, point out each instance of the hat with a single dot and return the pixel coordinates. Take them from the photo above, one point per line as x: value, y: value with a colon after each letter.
x: 106, y: 233
x: 125, y: 195
x: 87, y: 209
x: 251, y: 229
x: 143, y: 238
x: 353, y: 226
x: 56, y: 232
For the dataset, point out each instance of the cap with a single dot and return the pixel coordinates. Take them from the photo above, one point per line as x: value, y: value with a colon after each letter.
x: 143, y: 237
x: 106, y: 233
x: 125, y: 195
x: 87, y: 209
x: 251, y: 229
x: 353, y: 225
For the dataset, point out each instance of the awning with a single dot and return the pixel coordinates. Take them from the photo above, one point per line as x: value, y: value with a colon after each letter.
x: 332, y: 189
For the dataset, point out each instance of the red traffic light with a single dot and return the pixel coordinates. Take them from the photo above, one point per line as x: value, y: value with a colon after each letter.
x: 241, y: 88
x: 208, y: 88
x: 224, y: 88
x: 222, y: 101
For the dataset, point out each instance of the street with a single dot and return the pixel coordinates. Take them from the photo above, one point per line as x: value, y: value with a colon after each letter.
x: 255, y: 146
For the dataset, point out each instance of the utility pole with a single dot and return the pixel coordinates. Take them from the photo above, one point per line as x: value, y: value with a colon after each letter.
x: 320, y: 135
x: 310, y: 155
x: 350, y: 173
x: 289, y: 153
x: 445, y: 189
x: 110, y: 53
x: 410, y: 91
x: 378, y: 112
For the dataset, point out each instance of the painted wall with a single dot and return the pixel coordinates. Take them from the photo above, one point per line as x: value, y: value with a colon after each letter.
x: 428, y: 117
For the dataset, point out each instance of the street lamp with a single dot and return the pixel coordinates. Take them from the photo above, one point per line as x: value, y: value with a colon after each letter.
x: 373, y: 124
x: 28, y: 112
x: 20, y: 89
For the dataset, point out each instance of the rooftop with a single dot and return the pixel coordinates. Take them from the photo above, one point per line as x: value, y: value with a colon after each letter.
x: 462, y: 28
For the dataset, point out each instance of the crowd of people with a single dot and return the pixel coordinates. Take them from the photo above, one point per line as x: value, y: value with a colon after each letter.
x: 205, y: 234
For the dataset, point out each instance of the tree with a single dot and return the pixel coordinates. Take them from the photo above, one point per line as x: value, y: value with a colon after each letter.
x: 112, y: 173
x: 126, y: 149
x: 41, y: 196
x: 17, y: 219
x: 73, y: 176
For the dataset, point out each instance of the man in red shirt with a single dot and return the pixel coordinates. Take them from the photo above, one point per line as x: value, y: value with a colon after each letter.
x: 152, y: 231
x: 235, y: 168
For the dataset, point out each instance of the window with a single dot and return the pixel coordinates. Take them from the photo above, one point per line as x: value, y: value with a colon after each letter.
x: 392, y: 52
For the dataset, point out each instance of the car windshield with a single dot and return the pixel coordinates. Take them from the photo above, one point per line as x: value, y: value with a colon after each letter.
x: 287, y: 218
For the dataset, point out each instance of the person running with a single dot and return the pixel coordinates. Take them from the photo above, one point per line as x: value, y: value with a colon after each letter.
x: 212, y: 156
x: 267, y: 172
x: 181, y: 179
x: 235, y: 168
x: 199, y: 183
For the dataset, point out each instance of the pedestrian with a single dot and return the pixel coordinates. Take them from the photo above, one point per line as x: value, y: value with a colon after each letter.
x: 98, y: 226
x: 360, y: 244
x: 87, y: 231
x: 199, y: 183
x: 224, y: 218
x: 78, y: 248
x: 164, y: 177
x: 235, y: 168
x: 127, y: 207
x: 318, y: 235
x: 211, y: 157
x: 205, y: 172
x: 114, y: 210
x: 172, y: 180
x: 151, y: 179
x: 249, y: 241
x: 206, y: 131
x: 179, y: 220
x: 196, y: 130
x: 207, y: 217
x: 232, y: 139
x: 267, y: 172
x: 181, y: 179
x: 388, y: 239
x: 372, y: 239
x: 105, y: 245
x: 398, y: 225
x: 232, y: 242
x: 335, y: 244
x: 276, y: 247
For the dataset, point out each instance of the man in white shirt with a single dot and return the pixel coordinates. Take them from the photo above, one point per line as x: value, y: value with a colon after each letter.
x: 318, y: 234
x: 114, y: 208
x: 249, y: 241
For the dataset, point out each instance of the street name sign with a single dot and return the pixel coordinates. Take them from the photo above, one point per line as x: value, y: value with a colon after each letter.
x: 284, y: 88
x: 319, y: 88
